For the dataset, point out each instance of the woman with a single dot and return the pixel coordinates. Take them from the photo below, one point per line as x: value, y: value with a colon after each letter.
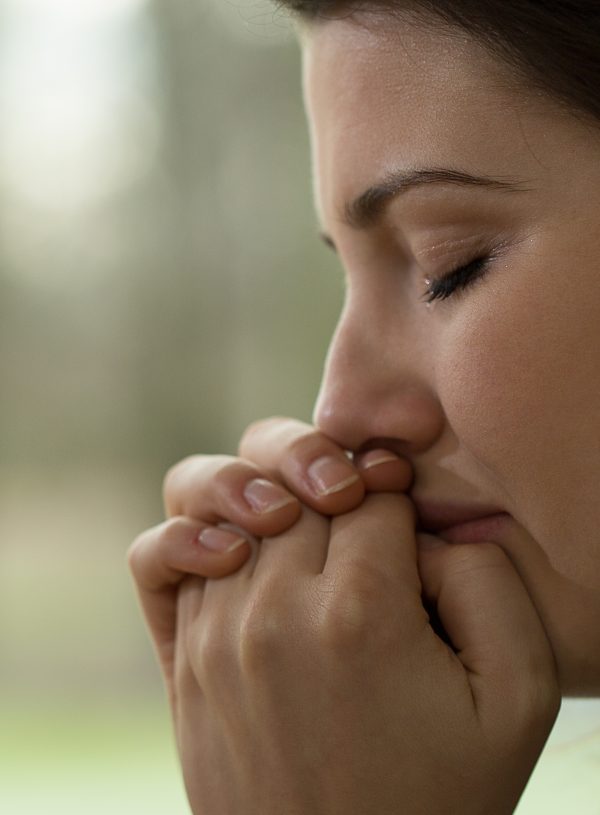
x: 427, y: 583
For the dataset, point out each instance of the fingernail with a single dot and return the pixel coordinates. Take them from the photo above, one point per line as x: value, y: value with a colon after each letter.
x: 219, y: 540
x: 375, y: 457
x: 264, y: 496
x: 329, y: 475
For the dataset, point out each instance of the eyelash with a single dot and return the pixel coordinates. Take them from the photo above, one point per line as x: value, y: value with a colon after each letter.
x: 458, y: 279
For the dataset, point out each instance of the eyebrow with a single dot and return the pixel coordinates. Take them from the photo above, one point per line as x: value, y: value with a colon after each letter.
x: 367, y: 209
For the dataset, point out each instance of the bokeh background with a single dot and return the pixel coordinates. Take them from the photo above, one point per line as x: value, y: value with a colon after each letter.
x: 161, y: 286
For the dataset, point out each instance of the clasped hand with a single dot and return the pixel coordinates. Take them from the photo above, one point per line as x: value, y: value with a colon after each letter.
x: 304, y: 673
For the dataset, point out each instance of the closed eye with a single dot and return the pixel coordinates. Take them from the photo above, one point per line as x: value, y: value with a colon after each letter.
x: 458, y: 279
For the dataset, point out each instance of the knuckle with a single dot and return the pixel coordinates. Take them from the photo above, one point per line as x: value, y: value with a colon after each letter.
x: 231, y: 471
x: 307, y: 444
x: 257, y: 428
x: 211, y: 646
x: 533, y: 711
x: 541, y: 696
x: 350, y: 614
x: 281, y: 431
x: 262, y: 634
x: 172, y: 479
x: 134, y: 554
x: 172, y: 529
x: 344, y: 625
x: 185, y: 681
x: 219, y: 470
x: 155, y: 544
x: 548, y: 701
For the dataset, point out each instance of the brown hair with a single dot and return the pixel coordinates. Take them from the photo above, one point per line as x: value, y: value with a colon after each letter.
x: 555, y: 46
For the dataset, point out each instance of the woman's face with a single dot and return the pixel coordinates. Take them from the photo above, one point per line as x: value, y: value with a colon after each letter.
x: 493, y: 393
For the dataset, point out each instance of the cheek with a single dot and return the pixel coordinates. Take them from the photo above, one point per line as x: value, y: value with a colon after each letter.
x: 519, y: 384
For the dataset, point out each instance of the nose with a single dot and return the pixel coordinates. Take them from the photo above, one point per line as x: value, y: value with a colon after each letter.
x: 377, y: 387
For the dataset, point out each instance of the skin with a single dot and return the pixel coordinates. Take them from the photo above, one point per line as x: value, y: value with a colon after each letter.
x: 492, y: 395
x: 488, y: 397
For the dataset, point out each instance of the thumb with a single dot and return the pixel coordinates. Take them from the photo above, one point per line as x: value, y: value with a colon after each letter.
x: 492, y: 625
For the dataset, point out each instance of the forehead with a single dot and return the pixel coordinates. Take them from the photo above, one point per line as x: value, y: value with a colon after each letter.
x: 391, y: 94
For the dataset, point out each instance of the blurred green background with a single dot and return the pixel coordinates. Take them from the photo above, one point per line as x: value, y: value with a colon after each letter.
x: 161, y: 286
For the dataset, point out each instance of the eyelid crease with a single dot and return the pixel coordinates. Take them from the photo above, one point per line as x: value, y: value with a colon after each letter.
x: 442, y: 247
x: 492, y: 250
x: 460, y: 248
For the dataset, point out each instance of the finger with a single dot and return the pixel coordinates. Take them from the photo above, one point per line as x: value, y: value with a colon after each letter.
x: 375, y: 545
x: 217, y: 488
x: 181, y: 679
x: 383, y: 471
x: 160, y: 558
x: 311, y: 465
x: 492, y: 624
x: 300, y: 550
x: 273, y: 574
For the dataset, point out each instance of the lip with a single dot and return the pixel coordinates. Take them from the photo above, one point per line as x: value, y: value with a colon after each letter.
x: 491, y: 528
x: 460, y: 522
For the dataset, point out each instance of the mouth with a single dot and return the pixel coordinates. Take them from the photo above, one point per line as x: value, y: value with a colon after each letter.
x: 461, y: 523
